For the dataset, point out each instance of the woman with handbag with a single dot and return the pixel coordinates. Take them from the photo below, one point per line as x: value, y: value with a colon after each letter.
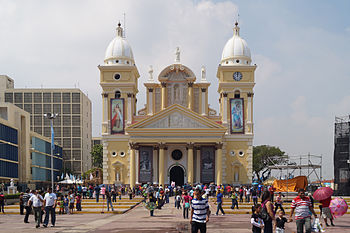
x: 267, y: 213
x: 186, y: 199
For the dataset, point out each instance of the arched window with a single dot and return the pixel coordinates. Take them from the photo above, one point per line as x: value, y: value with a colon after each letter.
x: 237, y: 94
x: 117, y: 94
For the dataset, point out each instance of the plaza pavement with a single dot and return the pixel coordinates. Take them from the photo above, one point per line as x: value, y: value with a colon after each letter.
x: 138, y: 220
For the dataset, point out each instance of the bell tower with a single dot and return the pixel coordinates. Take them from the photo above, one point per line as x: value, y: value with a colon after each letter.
x: 118, y: 79
x: 236, y: 82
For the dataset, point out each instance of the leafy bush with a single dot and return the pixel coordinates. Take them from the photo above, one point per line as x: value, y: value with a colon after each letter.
x: 12, y: 196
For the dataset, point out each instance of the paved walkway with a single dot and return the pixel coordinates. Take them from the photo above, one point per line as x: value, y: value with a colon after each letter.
x: 138, y: 220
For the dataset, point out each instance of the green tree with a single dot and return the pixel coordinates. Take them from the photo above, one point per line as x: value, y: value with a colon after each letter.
x: 97, y: 155
x: 264, y: 156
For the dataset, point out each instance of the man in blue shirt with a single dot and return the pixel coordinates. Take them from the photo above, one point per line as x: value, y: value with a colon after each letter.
x: 219, y: 197
x: 97, y: 192
x: 200, y: 212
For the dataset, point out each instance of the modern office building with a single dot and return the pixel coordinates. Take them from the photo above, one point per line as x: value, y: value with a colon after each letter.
x: 41, y: 159
x: 25, y: 156
x: 15, y: 143
x: 8, y: 152
x: 72, y: 127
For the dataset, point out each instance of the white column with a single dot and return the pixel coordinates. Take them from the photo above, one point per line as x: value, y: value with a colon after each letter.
x: 224, y: 119
x: 129, y: 109
x: 137, y: 165
x: 249, y: 108
x: 105, y: 162
x: 150, y: 103
x: 249, y: 113
x: 198, y: 165
x: 204, y: 100
x: 155, y: 166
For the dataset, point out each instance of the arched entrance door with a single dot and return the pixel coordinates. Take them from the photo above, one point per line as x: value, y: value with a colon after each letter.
x: 177, y: 174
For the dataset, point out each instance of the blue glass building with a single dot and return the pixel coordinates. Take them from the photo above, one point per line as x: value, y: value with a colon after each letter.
x: 41, y: 160
x: 8, y: 152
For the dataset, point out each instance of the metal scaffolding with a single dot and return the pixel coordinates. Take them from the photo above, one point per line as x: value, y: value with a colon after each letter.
x: 342, y: 155
x: 305, y: 164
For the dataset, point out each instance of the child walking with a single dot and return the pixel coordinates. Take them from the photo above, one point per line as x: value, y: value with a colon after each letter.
x: 256, y: 221
x: 234, y: 197
x: 78, y: 205
x: 61, y: 205
x: 65, y: 204
x: 280, y: 221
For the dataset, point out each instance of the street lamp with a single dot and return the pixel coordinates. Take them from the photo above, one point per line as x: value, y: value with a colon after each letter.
x: 51, y: 116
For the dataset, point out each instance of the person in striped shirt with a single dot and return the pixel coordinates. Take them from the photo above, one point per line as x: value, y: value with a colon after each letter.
x: 200, y: 212
x: 302, y: 207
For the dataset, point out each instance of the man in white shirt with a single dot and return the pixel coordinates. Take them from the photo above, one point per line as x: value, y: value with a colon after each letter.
x: 37, y: 201
x: 50, y: 202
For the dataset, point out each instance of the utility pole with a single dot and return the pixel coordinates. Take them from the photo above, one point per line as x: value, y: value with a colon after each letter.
x: 51, y: 116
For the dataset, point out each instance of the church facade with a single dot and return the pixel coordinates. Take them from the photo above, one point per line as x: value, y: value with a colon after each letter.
x: 177, y: 136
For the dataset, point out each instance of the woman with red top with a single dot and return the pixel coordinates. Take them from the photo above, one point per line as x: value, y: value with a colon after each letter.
x: 186, y: 199
x: 326, y: 212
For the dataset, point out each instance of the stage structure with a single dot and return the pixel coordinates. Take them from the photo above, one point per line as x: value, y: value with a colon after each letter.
x: 303, y: 165
x: 341, y: 155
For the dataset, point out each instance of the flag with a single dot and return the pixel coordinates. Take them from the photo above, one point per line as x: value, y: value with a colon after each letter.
x: 91, y: 176
x: 62, y: 176
x: 70, y: 176
x: 67, y: 177
x: 52, y: 137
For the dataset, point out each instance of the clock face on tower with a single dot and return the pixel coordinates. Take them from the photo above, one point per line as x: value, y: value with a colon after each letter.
x: 237, y: 76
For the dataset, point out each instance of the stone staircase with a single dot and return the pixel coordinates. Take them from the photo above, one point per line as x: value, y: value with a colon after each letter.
x: 246, y: 208
x: 89, y: 206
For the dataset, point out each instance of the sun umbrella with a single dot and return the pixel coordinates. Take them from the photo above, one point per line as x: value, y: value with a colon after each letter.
x: 323, y: 193
x: 338, y: 207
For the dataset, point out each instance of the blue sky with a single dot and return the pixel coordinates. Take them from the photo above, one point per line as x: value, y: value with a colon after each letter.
x: 301, y: 48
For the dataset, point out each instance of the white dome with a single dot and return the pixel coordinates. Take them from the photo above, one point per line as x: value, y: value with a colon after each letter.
x: 119, y: 51
x: 236, y: 51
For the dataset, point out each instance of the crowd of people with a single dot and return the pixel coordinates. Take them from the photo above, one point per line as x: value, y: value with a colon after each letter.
x: 268, y: 215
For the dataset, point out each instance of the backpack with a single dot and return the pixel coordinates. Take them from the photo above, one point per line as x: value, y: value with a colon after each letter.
x: 264, y: 214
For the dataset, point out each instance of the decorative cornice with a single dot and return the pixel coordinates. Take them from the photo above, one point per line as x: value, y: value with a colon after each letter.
x: 129, y: 95
x: 204, y: 89
x: 150, y: 90
x: 190, y: 84
x: 105, y: 95
x: 163, y: 84
x: 224, y: 94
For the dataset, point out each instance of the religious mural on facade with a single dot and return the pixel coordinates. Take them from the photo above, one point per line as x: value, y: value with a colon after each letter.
x: 117, y: 116
x: 237, y: 118
x: 145, y: 158
x: 207, y: 164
